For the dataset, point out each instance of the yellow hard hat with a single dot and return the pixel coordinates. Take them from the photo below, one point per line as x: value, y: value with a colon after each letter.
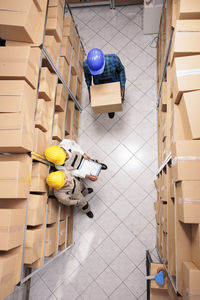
x: 55, y: 154
x: 56, y: 179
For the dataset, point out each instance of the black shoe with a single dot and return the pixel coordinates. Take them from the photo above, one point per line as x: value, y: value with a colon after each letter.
x: 104, y: 167
x: 90, y: 190
x: 90, y: 214
x: 111, y: 115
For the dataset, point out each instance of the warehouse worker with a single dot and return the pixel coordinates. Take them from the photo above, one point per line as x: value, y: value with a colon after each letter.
x: 70, y: 191
x: 65, y: 157
x: 104, y: 69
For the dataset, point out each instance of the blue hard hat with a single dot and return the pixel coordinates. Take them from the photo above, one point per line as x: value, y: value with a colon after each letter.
x: 96, y: 61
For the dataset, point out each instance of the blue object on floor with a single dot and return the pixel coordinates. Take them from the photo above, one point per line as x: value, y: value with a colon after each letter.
x: 159, y: 278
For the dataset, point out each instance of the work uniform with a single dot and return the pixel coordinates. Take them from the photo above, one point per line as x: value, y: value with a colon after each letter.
x: 73, y: 194
x: 113, y: 71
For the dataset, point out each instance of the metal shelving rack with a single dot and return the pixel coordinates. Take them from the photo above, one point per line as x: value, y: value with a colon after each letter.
x: 111, y: 3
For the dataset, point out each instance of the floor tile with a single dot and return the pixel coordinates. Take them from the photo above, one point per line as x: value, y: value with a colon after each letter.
x: 133, y: 142
x: 144, y: 60
x: 119, y: 21
x: 136, y: 283
x: 120, y: 130
x: 121, y: 236
x: 130, y: 11
x: 109, y: 49
x: 108, y: 32
x: 96, y: 131
x: 138, y: 19
x: 122, y: 208
x: 135, y: 251
x: 85, y: 142
x: 133, y: 71
x: 145, y: 180
x: 133, y: 94
x: 135, y: 194
x: 120, y: 155
x: 131, y: 50
x: 122, y: 292
x: 120, y: 40
x: 96, y: 42
x: 94, y: 264
x: 66, y: 290
x: 144, y: 82
x: 108, y: 281
x: 98, y: 206
x: 146, y: 154
x: 108, y: 143
x: 95, y: 235
x: 40, y: 291
x: 108, y: 221
x: 108, y: 250
x: 147, y: 208
x: 82, y: 249
x: 121, y: 181
x: 145, y: 129
x: 130, y: 30
x: 148, y: 237
x: 96, y: 24
x: 108, y: 194
x: 134, y: 168
x: 113, y: 167
x: 52, y: 297
x: 135, y: 222
x: 86, y: 33
x: 86, y: 14
x: 80, y: 279
x: 133, y: 117
x: 145, y: 105
x: 94, y: 292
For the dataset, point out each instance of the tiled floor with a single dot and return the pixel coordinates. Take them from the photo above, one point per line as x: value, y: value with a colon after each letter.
x: 108, y: 258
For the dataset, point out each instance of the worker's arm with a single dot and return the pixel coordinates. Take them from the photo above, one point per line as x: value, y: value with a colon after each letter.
x: 122, y: 75
x: 65, y: 198
x: 88, y: 77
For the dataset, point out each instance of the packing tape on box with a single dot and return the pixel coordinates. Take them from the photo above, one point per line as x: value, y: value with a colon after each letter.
x: 188, y: 293
x: 187, y: 200
x: 11, y: 228
x: 184, y: 158
x: 187, y: 72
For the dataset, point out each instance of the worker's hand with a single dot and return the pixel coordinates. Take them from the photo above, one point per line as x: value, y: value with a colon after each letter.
x: 91, y: 177
x: 86, y: 156
x: 122, y: 94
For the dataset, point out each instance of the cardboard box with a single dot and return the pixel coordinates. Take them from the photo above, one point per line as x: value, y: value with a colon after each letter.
x: 47, y: 85
x: 53, y: 3
x: 52, y: 47
x: 64, y: 69
x: 163, y: 103
x: 186, y: 40
x: 70, y: 31
x: 61, y: 98
x: 154, y: 270
x: 106, y: 97
x: 43, y: 115
x: 59, y: 125
x: 7, y: 275
x: 41, y: 141
x: 191, y: 277
x: 188, y: 9
x: 189, y: 107
x: 62, y: 232
x: 11, y: 228
x: 163, y: 208
x: 186, y: 163
x: 54, y: 24
x: 196, y: 245
x: 34, y: 240
x: 52, y: 215
x: 177, y: 129
x: 15, y: 173
x: 50, y: 244
x: 81, y: 56
x: 185, y: 76
x: 20, y: 63
x: 17, y: 19
x: 17, y: 106
x: 75, y: 64
x: 63, y: 212
x: 36, y: 209
x: 41, y: 5
x: 70, y: 118
x: 38, y: 178
x: 73, y: 84
x: 66, y: 49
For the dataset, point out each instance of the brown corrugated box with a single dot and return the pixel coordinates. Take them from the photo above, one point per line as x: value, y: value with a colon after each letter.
x: 154, y: 270
x: 36, y: 209
x: 41, y: 141
x: 186, y: 162
x: 177, y: 130
x: 15, y: 172
x: 20, y: 63
x: 52, y: 47
x: 61, y: 98
x: 64, y: 69
x: 196, y: 245
x: 81, y: 56
x: 43, y: 115
x: 188, y: 9
x: 62, y: 231
x: 34, y: 240
x: 59, y: 125
x: 70, y: 118
x: 70, y: 31
x: 11, y: 228
x: 163, y: 208
x: 47, y: 85
x: 50, y: 244
x: 38, y: 179
x: 52, y: 215
x: 106, y: 97
x: 55, y: 22
x: 73, y: 84
x: 75, y: 64
x: 17, y: 106
x: 66, y: 49
x: 53, y: 3
x: 7, y: 275
x: 191, y: 278
x: 185, y: 76
x: 63, y: 212
x: 17, y: 20
x: 189, y: 108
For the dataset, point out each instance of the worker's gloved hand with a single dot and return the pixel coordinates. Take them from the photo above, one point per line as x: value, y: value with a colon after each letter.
x: 86, y: 156
x: 91, y: 177
x: 122, y: 94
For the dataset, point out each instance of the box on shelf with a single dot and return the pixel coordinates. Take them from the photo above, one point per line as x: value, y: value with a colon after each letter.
x: 50, y: 244
x: 61, y: 98
x: 15, y: 170
x: 7, y: 276
x: 53, y: 3
x: 79, y: 92
x: 34, y: 240
x: 191, y: 278
x: 47, y: 85
x: 42, y: 115
x: 64, y: 69
x: 73, y: 84
x: 59, y: 125
x: 189, y: 107
x: 81, y: 56
x: 62, y: 232
x: 70, y: 31
x: 52, y: 47
x: 36, y: 209
x: 17, y: 20
x: 17, y: 108
x: 196, y: 245
x: 41, y: 141
x: 63, y: 212
x: 154, y: 270
x: 177, y: 129
x: 186, y: 163
x: 52, y: 215
x: 75, y: 64
x: 11, y: 228
x: 188, y: 9
x: 80, y: 74
x: 66, y: 49
x: 20, y: 63
x: 163, y: 100
x: 106, y: 97
x: 70, y: 117
x: 54, y: 24
x: 185, y: 76
x: 38, y: 178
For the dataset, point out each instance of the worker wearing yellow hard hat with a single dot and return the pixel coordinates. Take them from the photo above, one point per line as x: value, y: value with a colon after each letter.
x: 69, y: 190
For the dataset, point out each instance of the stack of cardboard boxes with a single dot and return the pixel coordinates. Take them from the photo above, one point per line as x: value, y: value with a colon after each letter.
x: 28, y: 123
x: 178, y: 204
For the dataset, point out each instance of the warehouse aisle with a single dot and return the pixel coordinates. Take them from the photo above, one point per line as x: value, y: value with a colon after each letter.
x: 108, y: 258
